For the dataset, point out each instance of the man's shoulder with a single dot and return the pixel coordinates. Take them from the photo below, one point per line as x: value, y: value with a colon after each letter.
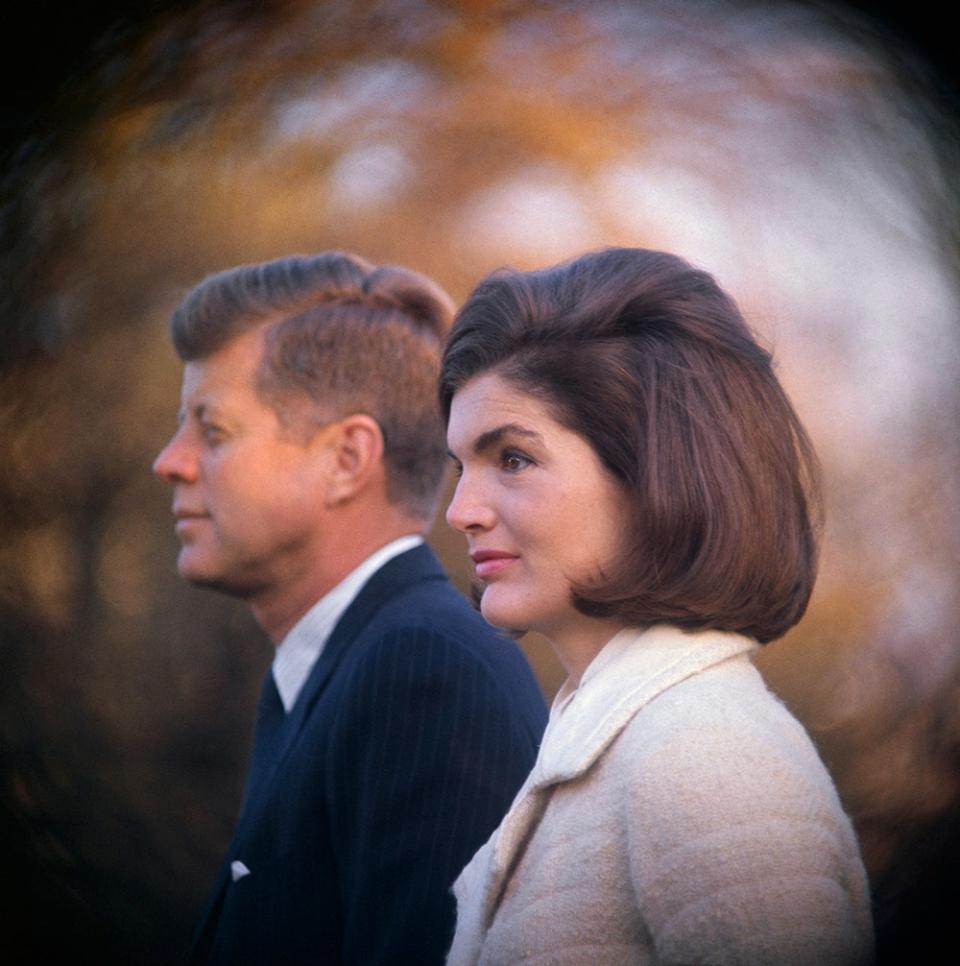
x: 428, y: 632
x: 434, y: 614
x: 412, y: 632
x: 431, y: 599
x: 413, y: 592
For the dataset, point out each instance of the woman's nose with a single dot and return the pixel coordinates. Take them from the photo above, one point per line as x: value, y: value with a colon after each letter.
x: 469, y: 510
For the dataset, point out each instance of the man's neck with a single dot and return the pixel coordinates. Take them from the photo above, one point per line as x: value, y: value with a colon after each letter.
x: 278, y: 609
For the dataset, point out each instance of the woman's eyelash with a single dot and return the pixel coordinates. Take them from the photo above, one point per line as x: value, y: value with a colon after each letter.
x: 512, y: 460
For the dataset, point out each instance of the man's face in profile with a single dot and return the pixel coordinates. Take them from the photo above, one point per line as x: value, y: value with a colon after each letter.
x: 246, y: 495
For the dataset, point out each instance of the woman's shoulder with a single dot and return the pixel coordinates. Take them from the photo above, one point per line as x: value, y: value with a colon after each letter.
x: 722, y: 735
x: 716, y: 776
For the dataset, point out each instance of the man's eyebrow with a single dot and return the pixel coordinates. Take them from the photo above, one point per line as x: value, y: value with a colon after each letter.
x: 198, y: 410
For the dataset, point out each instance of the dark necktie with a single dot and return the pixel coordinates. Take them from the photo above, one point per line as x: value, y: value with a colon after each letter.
x: 267, y: 735
x: 271, y: 718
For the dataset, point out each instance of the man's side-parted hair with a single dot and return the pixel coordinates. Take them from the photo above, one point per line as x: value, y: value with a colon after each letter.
x: 651, y: 362
x: 347, y: 337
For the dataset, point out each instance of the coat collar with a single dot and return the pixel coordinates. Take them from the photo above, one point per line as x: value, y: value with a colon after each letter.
x: 632, y: 669
x: 394, y: 576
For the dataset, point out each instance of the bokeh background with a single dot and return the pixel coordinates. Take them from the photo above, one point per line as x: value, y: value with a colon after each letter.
x: 806, y: 153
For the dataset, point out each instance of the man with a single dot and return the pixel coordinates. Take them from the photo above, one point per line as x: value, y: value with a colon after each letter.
x: 394, y: 726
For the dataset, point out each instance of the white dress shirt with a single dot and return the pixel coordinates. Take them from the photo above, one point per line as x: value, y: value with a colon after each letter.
x: 303, y: 645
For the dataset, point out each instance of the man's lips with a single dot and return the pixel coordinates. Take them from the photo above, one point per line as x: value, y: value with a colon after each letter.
x: 491, y: 562
x: 183, y: 518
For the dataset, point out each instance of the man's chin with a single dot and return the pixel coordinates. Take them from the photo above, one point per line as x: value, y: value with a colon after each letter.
x: 204, y: 574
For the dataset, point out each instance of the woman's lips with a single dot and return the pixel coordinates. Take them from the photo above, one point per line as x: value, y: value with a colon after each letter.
x: 491, y: 562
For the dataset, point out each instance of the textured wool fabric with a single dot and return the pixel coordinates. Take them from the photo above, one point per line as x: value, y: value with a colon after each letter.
x: 677, y: 813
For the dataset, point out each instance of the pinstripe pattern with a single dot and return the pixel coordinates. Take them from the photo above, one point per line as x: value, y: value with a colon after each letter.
x: 403, y: 752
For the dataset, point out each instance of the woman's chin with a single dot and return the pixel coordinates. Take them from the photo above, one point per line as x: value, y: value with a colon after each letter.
x: 502, y: 614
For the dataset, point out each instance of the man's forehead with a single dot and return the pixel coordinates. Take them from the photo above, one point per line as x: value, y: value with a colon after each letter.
x: 197, y: 384
x: 232, y: 368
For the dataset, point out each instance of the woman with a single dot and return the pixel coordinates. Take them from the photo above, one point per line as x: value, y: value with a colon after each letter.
x: 635, y: 485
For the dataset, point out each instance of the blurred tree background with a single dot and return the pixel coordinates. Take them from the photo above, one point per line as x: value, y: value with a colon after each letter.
x: 806, y: 153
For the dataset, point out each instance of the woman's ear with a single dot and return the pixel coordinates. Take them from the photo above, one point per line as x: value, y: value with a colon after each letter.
x: 355, y: 454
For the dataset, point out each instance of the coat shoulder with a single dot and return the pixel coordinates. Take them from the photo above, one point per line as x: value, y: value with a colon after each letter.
x: 433, y: 619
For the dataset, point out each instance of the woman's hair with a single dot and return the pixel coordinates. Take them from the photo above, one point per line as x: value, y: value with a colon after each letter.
x: 649, y: 360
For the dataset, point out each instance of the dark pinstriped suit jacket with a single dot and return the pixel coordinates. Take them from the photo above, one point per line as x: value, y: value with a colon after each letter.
x: 406, y: 745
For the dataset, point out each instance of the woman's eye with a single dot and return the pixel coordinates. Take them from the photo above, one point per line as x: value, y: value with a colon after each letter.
x: 512, y: 461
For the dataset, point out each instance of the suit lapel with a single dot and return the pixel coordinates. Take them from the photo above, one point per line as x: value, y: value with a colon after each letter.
x: 413, y: 566
x: 394, y: 576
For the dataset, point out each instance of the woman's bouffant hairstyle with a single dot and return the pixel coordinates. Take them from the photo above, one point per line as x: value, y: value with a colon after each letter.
x: 342, y: 336
x: 649, y: 360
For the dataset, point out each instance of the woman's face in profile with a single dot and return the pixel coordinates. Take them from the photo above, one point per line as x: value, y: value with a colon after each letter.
x: 537, y: 506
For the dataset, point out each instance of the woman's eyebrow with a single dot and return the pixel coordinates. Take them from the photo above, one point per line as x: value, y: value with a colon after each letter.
x: 493, y: 436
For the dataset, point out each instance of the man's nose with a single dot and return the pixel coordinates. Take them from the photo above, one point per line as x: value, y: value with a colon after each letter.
x: 176, y: 462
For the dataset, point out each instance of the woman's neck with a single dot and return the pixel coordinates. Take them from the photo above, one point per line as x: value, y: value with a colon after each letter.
x: 577, y: 644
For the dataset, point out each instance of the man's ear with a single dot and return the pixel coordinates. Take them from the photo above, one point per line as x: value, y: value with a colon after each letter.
x: 355, y: 453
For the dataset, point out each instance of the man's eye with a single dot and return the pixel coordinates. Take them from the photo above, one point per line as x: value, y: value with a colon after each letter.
x: 213, y: 434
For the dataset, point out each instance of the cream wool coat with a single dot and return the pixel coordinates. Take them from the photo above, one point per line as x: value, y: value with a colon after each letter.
x: 677, y: 813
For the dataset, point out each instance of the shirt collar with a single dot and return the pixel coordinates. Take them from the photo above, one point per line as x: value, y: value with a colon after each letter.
x: 299, y: 650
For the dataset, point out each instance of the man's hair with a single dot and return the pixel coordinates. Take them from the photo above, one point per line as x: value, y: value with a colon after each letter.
x: 345, y: 336
x: 648, y: 360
